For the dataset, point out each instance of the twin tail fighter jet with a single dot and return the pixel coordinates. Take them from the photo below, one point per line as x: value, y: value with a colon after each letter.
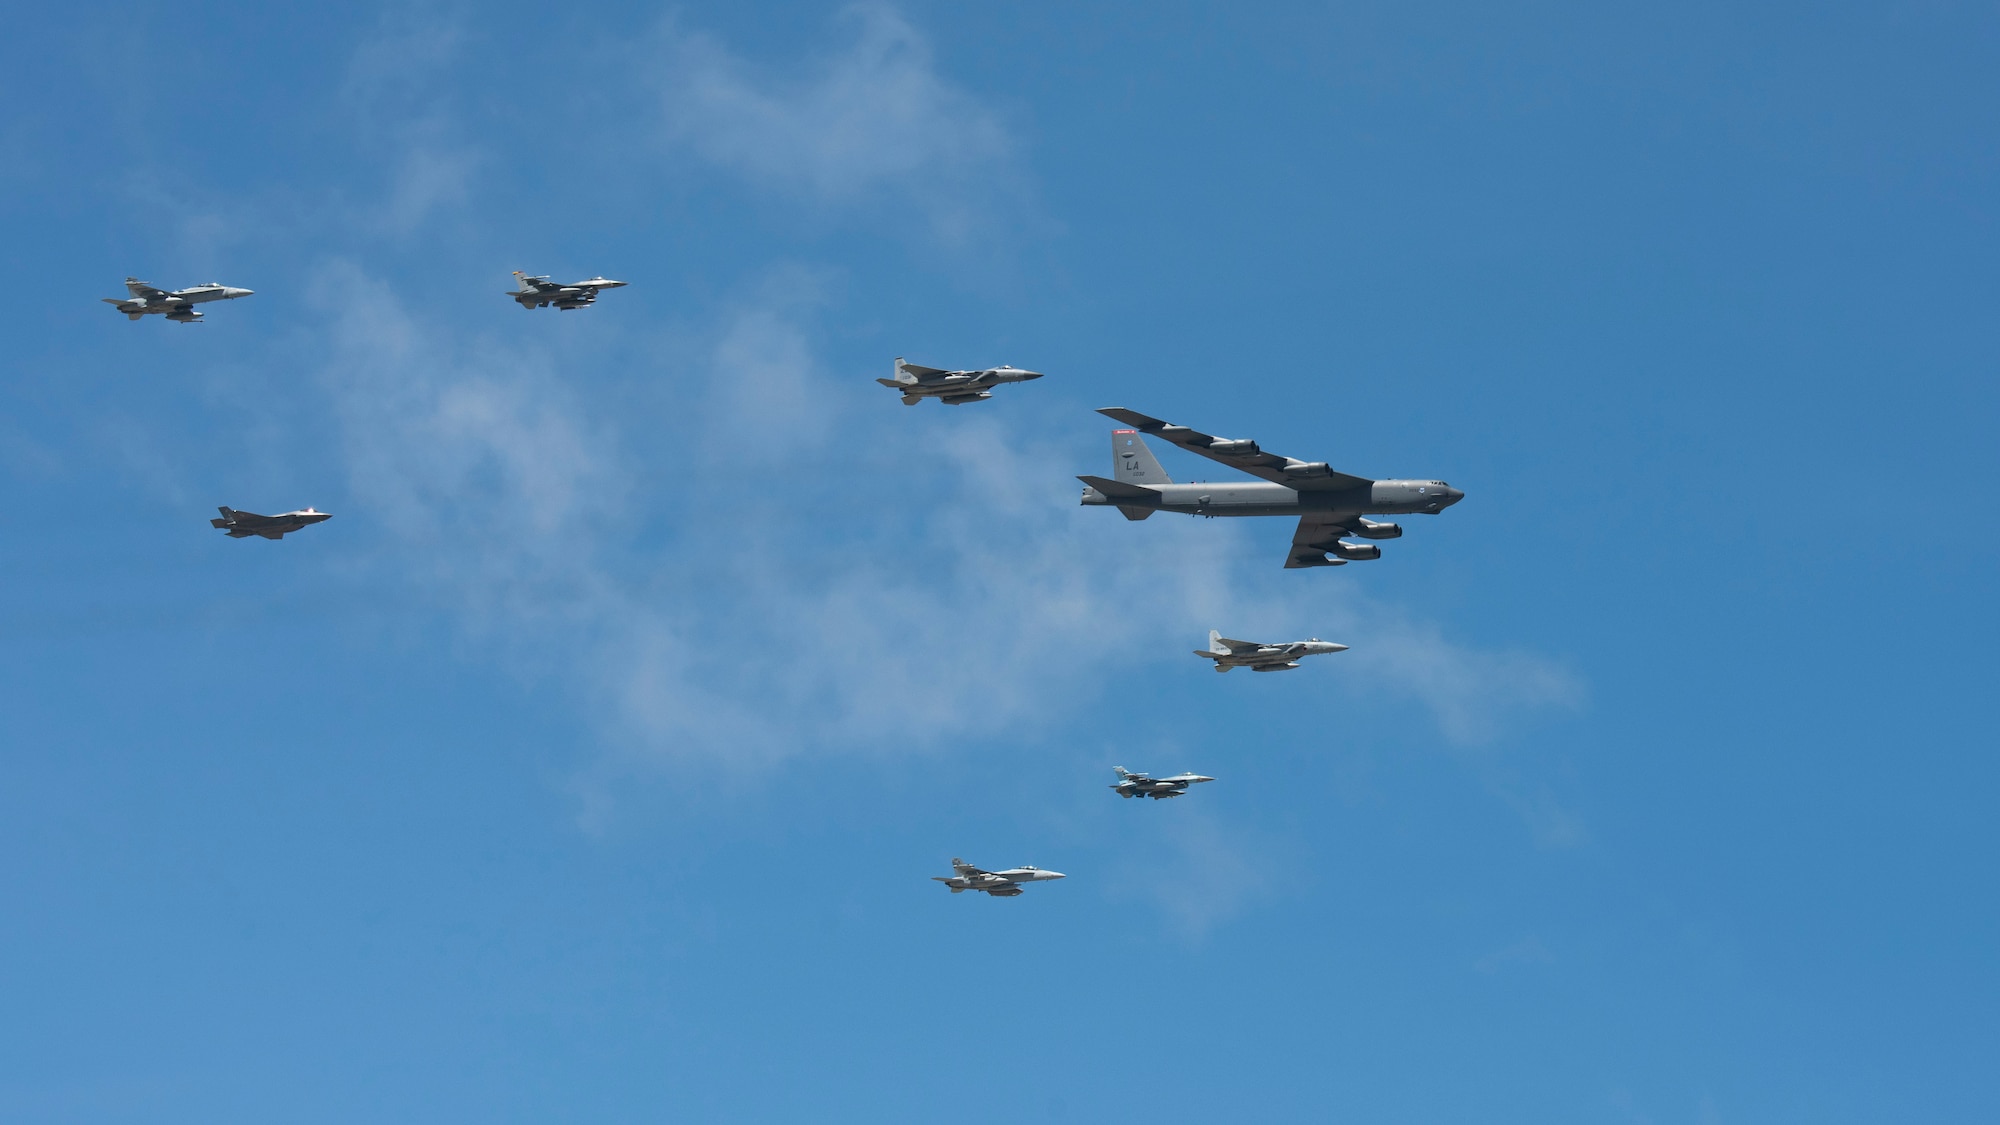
x: 241, y: 525
x: 1158, y: 788
x: 953, y: 388
x: 1329, y: 505
x: 1259, y: 657
x: 999, y: 884
x: 540, y: 292
x: 178, y: 305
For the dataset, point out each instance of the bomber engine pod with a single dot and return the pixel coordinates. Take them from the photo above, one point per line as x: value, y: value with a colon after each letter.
x: 1369, y: 529
x: 1354, y: 552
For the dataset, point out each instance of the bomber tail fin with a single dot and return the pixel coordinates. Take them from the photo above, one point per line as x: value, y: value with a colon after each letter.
x: 1133, y: 463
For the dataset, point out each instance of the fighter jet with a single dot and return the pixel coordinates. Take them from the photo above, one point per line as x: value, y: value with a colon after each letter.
x: 242, y: 524
x: 952, y: 388
x: 999, y: 884
x: 1158, y: 788
x: 1328, y: 505
x: 178, y: 305
x: 1258, y: 657
x: 540, y: 292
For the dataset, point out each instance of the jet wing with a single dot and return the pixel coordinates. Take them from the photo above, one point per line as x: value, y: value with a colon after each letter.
x: 1237, y: 646
x: 1316, y: 533
x: 925, y: 373
x: 1306, y: 476
x: 967, y: 870
x: 144, y: 291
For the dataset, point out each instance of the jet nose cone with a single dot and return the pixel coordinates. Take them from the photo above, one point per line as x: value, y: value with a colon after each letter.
x: 1331, y: 647
x: 1031, y: 375
x: 234, y: 293
x: 1053, y: 875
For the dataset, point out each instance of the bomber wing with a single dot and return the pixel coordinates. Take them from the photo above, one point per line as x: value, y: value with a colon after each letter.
x: 1316, y: 535
x: 1245, y: 456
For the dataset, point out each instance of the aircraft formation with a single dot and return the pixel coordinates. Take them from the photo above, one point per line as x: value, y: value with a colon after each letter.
x: 1330, y: 506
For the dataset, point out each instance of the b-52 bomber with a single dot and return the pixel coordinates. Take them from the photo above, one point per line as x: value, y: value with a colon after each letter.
x: 1259, y: 657
x: 999, y: 884
x: 540, y: 292
x: 1158, y: 788
x: 1329, y: 505
x: 953, y: 388
x: 240, y: 525
x: 178, y: 305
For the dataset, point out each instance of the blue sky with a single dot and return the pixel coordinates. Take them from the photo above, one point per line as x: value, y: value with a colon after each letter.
x: 591, y: 764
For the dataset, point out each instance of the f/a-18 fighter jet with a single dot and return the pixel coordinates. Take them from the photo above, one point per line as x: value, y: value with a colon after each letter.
x: 1329, y: 505
x: 999, y: 884
x: 953, y: 388
x: 1158, y: 788
x: 178, y: 305
x: 242, y: 524
x: 1259, y: 657
x: 540, y: 292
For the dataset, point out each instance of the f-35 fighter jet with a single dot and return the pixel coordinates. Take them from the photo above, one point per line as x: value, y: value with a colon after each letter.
x: 243, y: 524
x: 178, y: 305
x: 999, y: 884
x: 1258, y: 657
x: 1158, y: 788
x: 540, y: 292
x: 953, y: 388
x: 1328, y: 504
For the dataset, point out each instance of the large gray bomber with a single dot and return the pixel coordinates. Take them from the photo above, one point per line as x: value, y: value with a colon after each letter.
x: 1259, y: 657
x: 1329, y: 505
x: 953, y: 388
x: 178, y: 305
x: 999, y: 884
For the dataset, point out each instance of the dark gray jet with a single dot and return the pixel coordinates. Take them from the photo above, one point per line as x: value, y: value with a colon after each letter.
x: 540, y: 292
x: 1328, y: 505
x: 953, y: 388
x: 243, y: 524
x: 178, y: 305
x: 1258, y: 657
x: 1158, y: 788
x: 999, y: 884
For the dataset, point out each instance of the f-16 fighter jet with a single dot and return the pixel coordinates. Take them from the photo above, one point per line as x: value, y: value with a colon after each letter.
x: 178, y: 305
x: 916, y: 384
x: 1258, y: 657
x: 999, y: 884
x: 540, y: 292
x: 242, y: 524
x: 1328, y: 505
x: 1158, y: 788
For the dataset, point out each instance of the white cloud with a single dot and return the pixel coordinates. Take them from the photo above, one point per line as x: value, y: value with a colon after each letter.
x: 400, y: 106
x: 874, y: 120
x: 826, y: 570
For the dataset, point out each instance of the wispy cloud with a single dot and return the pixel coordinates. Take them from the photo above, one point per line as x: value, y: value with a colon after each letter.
x: 398, y: 101
x: 872, y: 121
x: 698, y: 567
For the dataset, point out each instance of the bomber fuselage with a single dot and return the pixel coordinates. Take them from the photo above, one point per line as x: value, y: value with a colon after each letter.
x: 1265, y: 498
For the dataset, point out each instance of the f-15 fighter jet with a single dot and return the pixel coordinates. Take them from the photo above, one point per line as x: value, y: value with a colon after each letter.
x: 999, y: 884
x: 178, y: 305
x: 540, y: 292
x: 1158, y: 788
x: 1328, y: 505
x: 1258, y: 657
x: 951, y: 387
x: 242, y: 524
